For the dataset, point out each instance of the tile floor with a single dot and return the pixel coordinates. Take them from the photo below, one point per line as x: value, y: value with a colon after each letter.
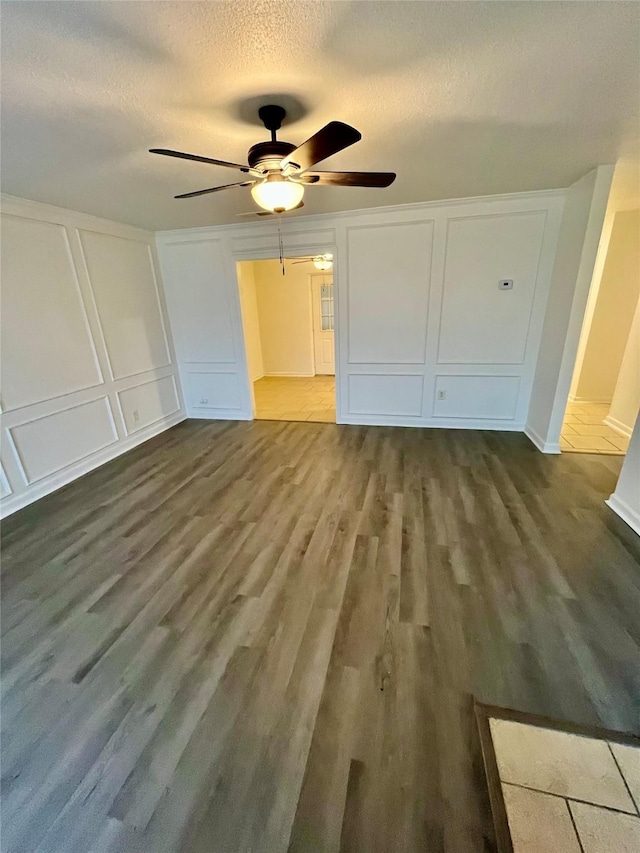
x: 584, y: 431
x: 566, y: 793
x: 293, y: 398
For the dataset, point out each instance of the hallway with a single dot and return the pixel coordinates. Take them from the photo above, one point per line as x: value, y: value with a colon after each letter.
x: 584, y: 431
x: 293, y: 398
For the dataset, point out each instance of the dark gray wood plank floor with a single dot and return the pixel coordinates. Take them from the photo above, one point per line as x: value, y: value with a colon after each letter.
x: 267, y: 636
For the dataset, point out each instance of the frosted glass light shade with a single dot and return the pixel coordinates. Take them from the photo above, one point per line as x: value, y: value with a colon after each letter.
x: 323, y: 262
x: 277, y: 194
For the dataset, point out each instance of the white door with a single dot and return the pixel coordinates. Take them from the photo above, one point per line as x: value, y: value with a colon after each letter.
x: 322, y: 301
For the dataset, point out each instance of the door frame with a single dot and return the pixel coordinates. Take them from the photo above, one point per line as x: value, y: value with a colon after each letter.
x: 249, y: 253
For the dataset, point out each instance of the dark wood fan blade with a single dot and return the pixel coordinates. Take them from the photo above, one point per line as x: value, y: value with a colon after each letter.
x: 332, y: 138
x: 349, y: 179
x: 168, y: 153
x: 215, y: 189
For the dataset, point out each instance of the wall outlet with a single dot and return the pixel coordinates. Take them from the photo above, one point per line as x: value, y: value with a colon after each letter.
x: 442, y: 395
x: 505, y: 284
x: 136, y: 416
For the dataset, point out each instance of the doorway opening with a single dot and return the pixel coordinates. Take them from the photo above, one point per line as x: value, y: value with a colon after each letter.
x: 605, y: 390
x: 289, y: 332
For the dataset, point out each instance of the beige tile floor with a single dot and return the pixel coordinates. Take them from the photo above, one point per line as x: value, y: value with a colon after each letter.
x: 292, y: 398
x: 584, y: 431
x: 565, y: 793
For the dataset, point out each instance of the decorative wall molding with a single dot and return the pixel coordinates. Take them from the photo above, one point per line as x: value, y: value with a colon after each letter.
x: 306, y: 222
x: 305, y: 234
x: 71, y: 451
x: 17, y: 501
x: 51, y: 441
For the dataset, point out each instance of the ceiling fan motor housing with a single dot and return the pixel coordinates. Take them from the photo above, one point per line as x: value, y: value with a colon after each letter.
x: 268, y: 155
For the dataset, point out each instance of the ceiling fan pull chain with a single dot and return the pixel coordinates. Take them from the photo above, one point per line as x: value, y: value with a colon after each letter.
x: 280, y: 245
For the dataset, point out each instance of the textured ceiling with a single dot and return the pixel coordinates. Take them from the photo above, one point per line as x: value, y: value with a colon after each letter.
x: 460, y: 98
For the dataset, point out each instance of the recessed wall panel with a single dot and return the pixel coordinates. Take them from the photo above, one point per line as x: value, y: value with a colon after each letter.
x: 481, y: 323
x: 490, y: 397
x: 194, y: 276
x: 385, y: 394
x: 47, y: 349
x: 5, y: 488
x: 148, y: 403
x: 213, y: 391
x: 53, y: 442
x: 389, y: 268
x: 123, y: 283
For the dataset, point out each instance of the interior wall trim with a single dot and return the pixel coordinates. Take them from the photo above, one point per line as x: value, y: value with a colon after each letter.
x: 618, y: 426
x: 255, y: 241
x: 99, y: 319
x: 402, y: 415
x: 627, y: 513
x: 16, y: 426
x: 477, y: 376
x: 20, y: 488
x: 540, y: 443
x: 67, y: 475
x: 428, y: 284
x: 304, y: 221
x: 516, y: 213
x: 150, y: 381
x: 5, y: 485
x: 83, y: 309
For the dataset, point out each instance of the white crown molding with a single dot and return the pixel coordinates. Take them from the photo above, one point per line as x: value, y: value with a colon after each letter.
x: 303, y: 222
x: 30, y: 209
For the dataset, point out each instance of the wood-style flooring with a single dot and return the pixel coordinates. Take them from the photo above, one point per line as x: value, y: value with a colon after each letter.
x: 266, y: 637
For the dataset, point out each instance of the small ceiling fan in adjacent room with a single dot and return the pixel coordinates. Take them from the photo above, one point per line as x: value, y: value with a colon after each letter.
x: 320, y: 262
x: 278, y: 172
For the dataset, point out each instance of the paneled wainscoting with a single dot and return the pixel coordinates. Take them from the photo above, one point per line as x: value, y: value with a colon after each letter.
x: 88, y: 367
x: 267, y: 636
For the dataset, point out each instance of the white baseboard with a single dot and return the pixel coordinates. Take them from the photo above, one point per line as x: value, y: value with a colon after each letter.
x: 218, y: 415
x: 626, y: 513
x: 293, y: 375
x: 430, y: 423
x: 19, y: 500
x: 573, y: 399
x: 618, y: 426
x: 540, y: 443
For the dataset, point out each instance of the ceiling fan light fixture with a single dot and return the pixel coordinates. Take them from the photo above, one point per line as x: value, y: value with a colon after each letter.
x: 277, y: 194
x: 323, y: 262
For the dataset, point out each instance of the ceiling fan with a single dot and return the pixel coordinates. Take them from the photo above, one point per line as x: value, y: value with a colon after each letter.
x: 279, y: 171
x: 320, y: 262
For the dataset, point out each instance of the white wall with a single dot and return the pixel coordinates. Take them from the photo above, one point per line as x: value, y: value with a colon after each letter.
x: 88, y: 369
x: 625, y: 501
x: 250, y: 319
x: 626, y: 396
x: 618, y: 292
x: 284, y: 309
x: 424, y: 336
x: 578, y: 242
